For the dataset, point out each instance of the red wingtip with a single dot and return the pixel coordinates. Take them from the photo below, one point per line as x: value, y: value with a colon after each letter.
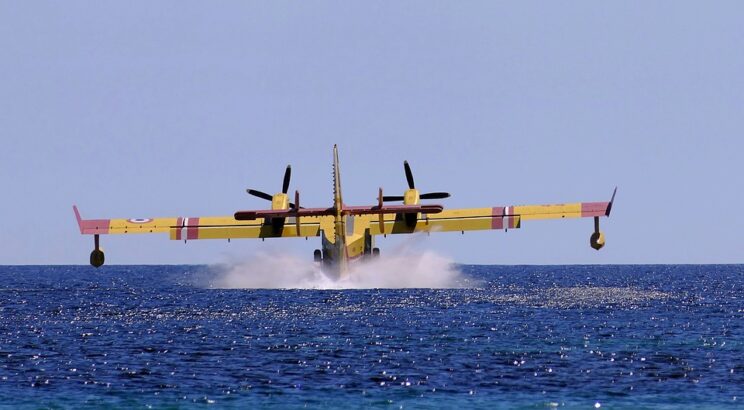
x: 79, y: 219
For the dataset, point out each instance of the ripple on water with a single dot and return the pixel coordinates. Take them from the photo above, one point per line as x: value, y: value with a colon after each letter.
x: 523, y: 336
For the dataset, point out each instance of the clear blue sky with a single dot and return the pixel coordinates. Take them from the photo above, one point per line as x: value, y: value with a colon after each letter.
x: 137, y: 109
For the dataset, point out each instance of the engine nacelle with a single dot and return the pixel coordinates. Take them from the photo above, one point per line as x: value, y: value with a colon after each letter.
x: 411, y: 197
x: 97, y: 258
x: 280, y: 201
x: 597, y: 240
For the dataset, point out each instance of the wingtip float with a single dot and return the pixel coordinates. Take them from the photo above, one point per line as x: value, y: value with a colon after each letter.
x: 347, y: 232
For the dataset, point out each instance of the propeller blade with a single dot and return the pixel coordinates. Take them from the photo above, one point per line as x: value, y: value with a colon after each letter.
x: 409, y: 175
x: 262, y: 195
x: 435, y: 195
x: 381, y: 217
x: 287, y: 177
x: 392, y: 198
x: 297, y: 217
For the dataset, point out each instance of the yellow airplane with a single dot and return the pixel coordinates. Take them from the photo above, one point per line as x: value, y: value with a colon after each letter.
x: 347, y: 232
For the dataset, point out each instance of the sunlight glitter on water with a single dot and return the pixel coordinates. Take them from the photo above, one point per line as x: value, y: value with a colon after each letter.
x: 526, y: 336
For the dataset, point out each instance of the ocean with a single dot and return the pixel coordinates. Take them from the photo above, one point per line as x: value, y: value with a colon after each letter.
x: 616, y: 336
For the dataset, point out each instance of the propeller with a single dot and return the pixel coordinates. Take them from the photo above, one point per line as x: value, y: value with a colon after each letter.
x: 412, y: 185
x: 381, y: 220
x: 285, y: 188
x: 287, y: 177
x: 409, y: 175
x: 297, y: 207
x: 259, y: 194
x: 389, y: 198
x: 435, y: 195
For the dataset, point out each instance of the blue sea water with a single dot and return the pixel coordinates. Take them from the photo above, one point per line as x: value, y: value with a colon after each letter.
x: 656, y: 336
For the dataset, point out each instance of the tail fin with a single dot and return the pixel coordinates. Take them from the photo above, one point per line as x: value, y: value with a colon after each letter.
x: 339, y: 225
x: 338, y: 202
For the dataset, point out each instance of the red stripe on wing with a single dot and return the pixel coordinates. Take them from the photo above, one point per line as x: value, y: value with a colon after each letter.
x: 512, y: 220
x: 192, y: 228
x: 179, y: 228
x: 497, y: 221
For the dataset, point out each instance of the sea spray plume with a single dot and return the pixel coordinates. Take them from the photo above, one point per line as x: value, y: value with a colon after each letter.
x: 407, y: 265
x: 407, y: 268
x: 400, y: 267
x: 270, y: 270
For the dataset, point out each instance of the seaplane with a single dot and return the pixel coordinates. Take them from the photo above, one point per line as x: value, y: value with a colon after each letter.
x: 347, y: 233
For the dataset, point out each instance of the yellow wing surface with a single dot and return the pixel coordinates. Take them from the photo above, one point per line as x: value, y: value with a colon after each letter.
x: 212, y: 227
x: 448, y: 220
x: 498, y: 217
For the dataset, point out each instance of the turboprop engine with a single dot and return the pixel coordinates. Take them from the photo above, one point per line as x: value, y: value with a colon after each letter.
x: 412, y: 196
x: 279, y: 201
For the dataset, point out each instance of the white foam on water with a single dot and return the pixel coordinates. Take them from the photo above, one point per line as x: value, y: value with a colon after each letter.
x: 402, y: 267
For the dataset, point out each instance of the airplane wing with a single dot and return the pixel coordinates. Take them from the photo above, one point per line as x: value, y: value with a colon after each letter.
x: 241, y: 225
x: 213, y: 227
x: 347, y: 210
x: 496, y: 217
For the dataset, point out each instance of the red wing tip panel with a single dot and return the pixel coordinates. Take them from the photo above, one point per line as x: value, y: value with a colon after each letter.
x: 598, y: 208
x: 91, y: 226
x: 589, y: 209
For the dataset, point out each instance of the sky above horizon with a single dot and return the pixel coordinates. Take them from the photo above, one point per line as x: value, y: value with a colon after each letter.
x: 144, y: 109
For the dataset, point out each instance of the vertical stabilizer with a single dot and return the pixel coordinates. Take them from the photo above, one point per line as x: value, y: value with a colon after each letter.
x: 340, y: 225
x: 337, y: 199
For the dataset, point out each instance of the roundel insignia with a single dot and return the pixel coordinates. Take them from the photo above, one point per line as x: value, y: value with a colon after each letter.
x: 139, y: 220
